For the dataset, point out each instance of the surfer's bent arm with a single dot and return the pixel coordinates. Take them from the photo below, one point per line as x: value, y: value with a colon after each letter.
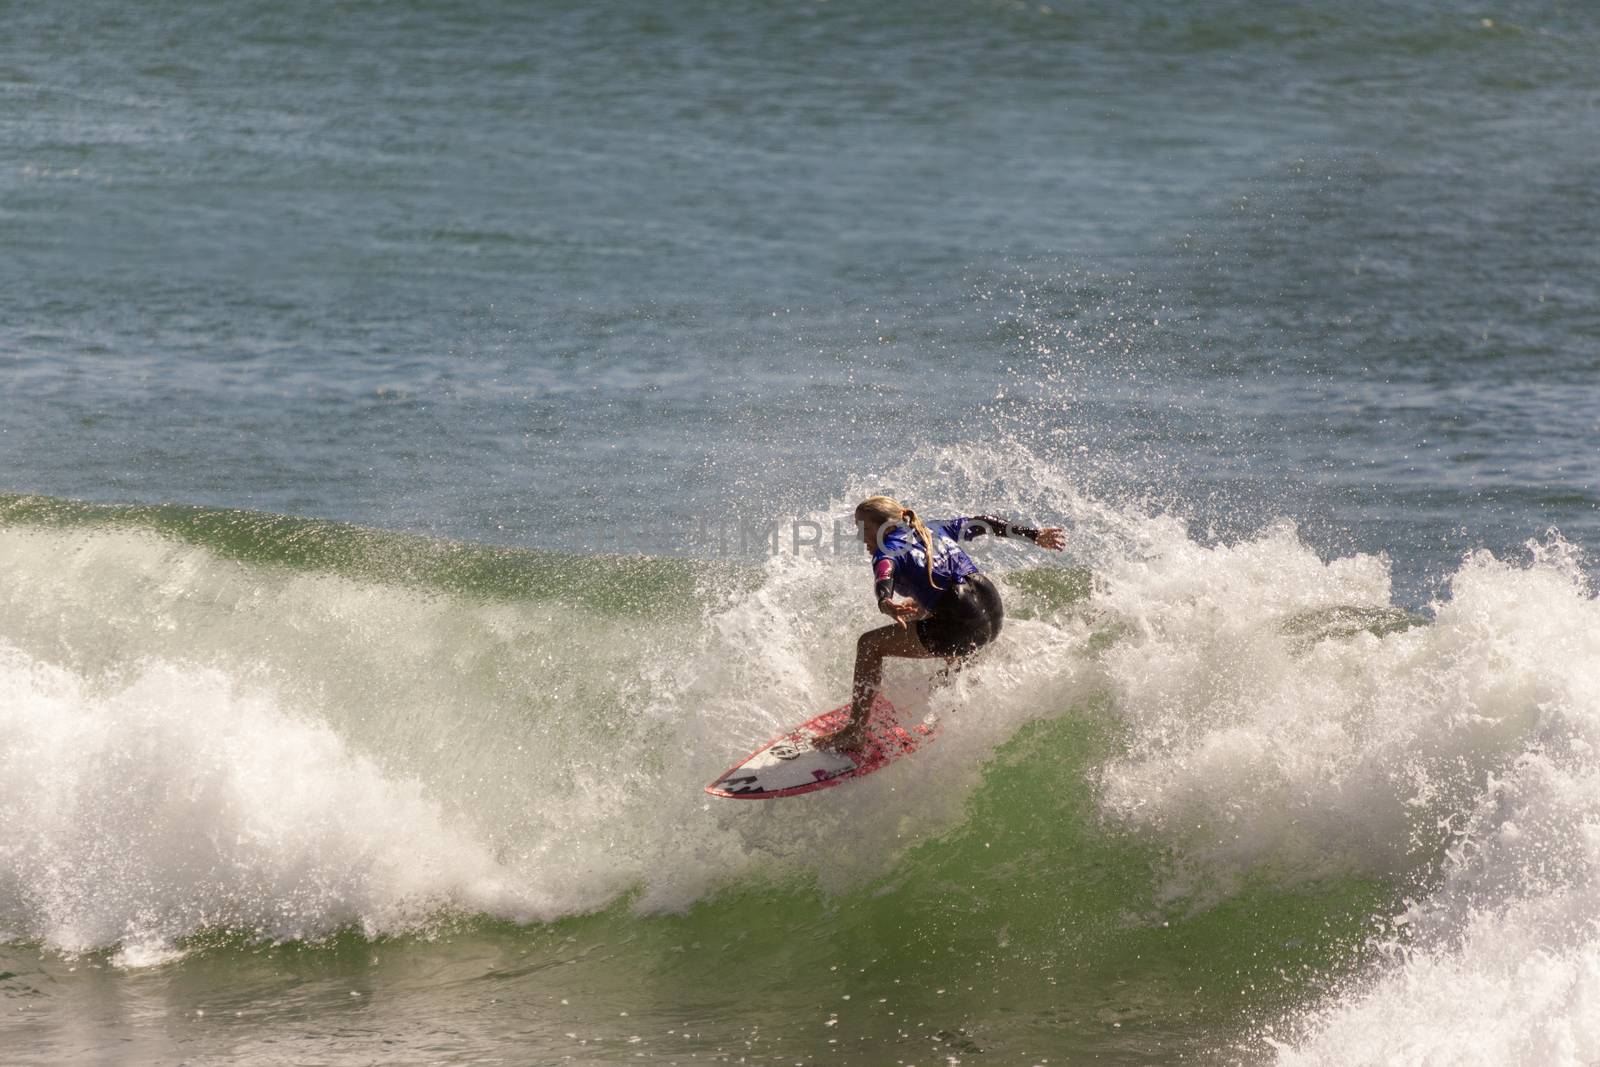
x: 883, y: 590
x: 903, y: 611
x: 978, y: 525
x: 883, y: 581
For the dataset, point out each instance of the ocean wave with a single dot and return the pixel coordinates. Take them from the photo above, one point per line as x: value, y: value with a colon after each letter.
x: 196, y: 739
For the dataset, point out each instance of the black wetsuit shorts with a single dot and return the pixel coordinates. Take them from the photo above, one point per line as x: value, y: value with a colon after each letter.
x: 967, y: 618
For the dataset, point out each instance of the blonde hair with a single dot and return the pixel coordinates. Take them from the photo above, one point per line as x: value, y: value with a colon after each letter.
x: 886, y: 510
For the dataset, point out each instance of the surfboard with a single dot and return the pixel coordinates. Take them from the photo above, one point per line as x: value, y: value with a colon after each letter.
x: 790, y: 764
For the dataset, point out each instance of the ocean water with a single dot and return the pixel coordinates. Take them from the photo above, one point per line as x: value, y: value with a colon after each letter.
x: 428, y: 430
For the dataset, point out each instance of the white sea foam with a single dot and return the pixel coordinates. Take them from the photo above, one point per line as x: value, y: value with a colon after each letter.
x: 1501, y: 965
x: 1269, y: 741
x: 172, y: 799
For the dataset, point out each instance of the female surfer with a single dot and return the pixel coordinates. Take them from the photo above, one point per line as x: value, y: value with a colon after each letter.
x: 951, y: 609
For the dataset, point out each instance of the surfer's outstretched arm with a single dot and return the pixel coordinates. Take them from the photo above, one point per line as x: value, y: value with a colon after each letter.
x: 1051, y: 537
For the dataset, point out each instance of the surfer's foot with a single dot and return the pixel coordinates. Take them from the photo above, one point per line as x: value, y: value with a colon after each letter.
x: 846, y: 740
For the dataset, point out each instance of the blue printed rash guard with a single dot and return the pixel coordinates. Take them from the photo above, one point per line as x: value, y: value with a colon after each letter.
x: 900, y: 566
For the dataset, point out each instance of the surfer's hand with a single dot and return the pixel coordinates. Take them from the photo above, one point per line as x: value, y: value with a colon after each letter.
x: 1052, y: 537
x: 902, y: 611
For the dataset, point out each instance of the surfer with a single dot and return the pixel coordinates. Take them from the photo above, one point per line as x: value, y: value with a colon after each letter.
x: 950, y: 610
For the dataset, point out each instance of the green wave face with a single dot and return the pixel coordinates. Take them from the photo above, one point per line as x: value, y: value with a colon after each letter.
x: 457, y: 789
x: 612, y: 585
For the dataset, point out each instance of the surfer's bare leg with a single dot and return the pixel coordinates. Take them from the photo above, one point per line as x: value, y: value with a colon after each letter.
x: 871, y: 649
